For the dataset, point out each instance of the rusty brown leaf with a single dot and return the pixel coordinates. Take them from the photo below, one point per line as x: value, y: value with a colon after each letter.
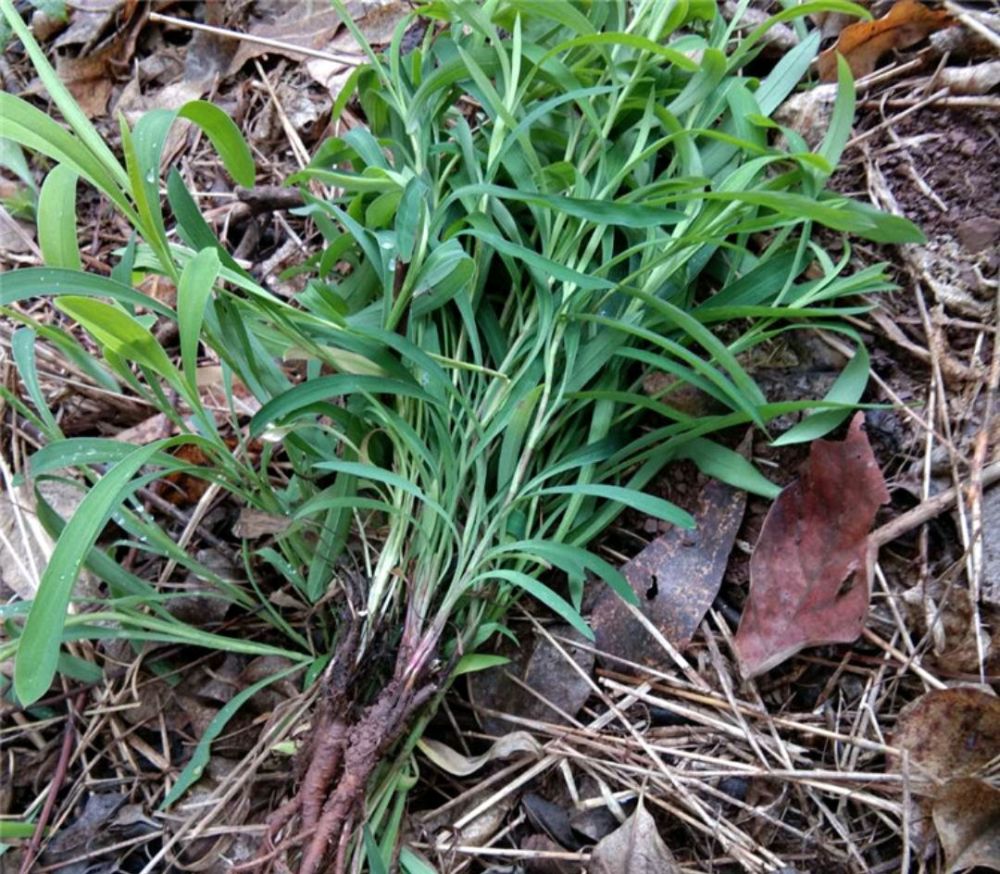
x: 863, y: 43
x: 967, y: 819
x: 676, y: 578
x: 811, y: 569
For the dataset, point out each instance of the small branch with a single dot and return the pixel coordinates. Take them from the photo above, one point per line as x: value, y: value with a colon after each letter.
x: 276, y: 44
x: 58, y: 778
x: 926, y: 510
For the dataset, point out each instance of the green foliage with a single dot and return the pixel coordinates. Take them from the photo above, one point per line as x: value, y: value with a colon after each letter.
x: 548, y: 201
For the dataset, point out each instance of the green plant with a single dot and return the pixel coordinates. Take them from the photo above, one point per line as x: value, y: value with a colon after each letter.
x: 543, y: 206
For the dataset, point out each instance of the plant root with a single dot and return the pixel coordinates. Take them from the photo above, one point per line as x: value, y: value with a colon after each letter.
x: 379, y: 727
x: 335, y: 766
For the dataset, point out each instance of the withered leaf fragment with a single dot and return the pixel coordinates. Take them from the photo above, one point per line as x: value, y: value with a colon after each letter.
x: 948, y: 733
x: 967, y: 819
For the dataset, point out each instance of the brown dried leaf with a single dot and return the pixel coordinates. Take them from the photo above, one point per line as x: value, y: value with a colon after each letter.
x: 863, y: 43
x: 635, y: 848
x: 253, y: 523
x: 90, y: 74
x: 948, y: 733
x: 811, y: 570
x: 967, y: 819
x: 316, y: 25
x: 676, y: 578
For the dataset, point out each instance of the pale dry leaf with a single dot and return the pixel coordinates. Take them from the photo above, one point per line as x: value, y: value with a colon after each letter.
x: 155, y: 427
x: 990, y: 589
x: 16, y: 237
x: 810, y: 573
x: 967, y: 819
x: 865, y: 42
x: 314, y: 24
x: 831, y: 23
x: 808, y: 113
x: 545, y: 862
x: 25, y: 545
x: 634, y: 848
x: 90, y: 20
x: 89, y: 73
x: 459, y: 765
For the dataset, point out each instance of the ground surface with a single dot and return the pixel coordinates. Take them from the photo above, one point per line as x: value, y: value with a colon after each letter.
x: 791, y: 770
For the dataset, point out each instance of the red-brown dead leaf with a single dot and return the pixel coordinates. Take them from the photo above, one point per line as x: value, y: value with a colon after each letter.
x: 811, y: 569
x: 967, y: 819
x: 863, y: 43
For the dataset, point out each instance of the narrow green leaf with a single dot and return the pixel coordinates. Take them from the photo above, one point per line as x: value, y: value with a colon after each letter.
x: 728, y: 466
x: 57, y: 219
x: 847, y: 389
x: 20, y: 285
x: 38, y: 647
x: 12, y: 831
x: 202, y: 753
x: 648, y: 504
x: 326, y: 388
x: 539, y: 592
x: 839, y: 130
x: 123, y: 334
x: 478, y: 661
x: 225, y: 135
x: 193, y: 293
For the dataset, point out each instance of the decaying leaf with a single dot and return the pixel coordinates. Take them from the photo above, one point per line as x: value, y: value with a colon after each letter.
x: 977, y: 79
x: 808, y: 113
x: 90, y: 72
x: 967, y: 819
x: 676, y: 578
x: 635, y: 848
x: 550, y: 818
x: 990, y: 588
x: 948, y: 733
x: 863, y: 43
x: 25, y: 545
x: 556, y: 686
x: 811, y: 569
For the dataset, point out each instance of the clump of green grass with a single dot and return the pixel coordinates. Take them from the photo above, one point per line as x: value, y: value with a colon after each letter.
x: 547, y: 202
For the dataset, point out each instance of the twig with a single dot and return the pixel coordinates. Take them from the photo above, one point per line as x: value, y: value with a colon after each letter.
x: 927, y: 510
x: 58, y: 778
x: 276, y: 44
